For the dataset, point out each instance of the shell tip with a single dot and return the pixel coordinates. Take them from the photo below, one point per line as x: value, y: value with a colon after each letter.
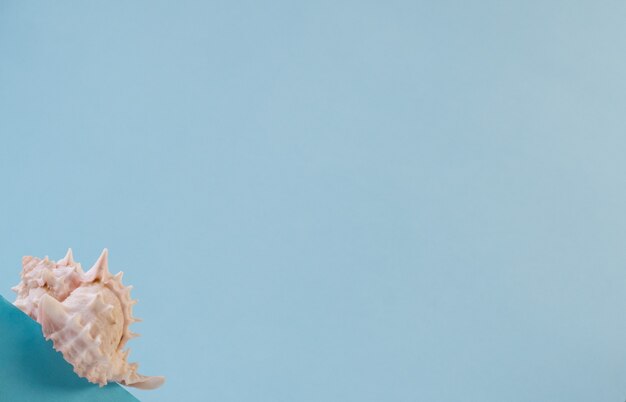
x: 144, y: 382
x: 68, y: 259
x: 99, y: 270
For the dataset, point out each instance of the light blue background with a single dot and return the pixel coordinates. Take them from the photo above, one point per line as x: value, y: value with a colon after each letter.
x: 332, y: 200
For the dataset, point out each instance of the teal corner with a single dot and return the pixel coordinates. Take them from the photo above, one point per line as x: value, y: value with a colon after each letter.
x: 31, y: 370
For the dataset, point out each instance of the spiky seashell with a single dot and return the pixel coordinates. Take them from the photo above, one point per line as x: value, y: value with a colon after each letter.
x: 86, y: 314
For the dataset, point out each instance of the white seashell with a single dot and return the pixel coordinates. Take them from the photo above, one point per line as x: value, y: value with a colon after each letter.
x: 86, y: 314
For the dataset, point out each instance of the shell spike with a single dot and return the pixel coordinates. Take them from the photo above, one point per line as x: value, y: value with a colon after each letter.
x: 99, y: 270
x: 52, y: 314
x: 68, y: 259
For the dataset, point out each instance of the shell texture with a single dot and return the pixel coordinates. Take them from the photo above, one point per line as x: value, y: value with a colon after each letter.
x: 86, y: 314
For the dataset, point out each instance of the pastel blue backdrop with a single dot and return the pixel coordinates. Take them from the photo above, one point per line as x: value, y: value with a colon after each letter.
x: 333, y: 200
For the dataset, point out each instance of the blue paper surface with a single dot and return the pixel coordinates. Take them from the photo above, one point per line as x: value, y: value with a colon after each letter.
x: 31, y: 370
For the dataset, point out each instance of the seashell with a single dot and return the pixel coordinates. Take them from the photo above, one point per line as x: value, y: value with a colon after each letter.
x: 86, y: 314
